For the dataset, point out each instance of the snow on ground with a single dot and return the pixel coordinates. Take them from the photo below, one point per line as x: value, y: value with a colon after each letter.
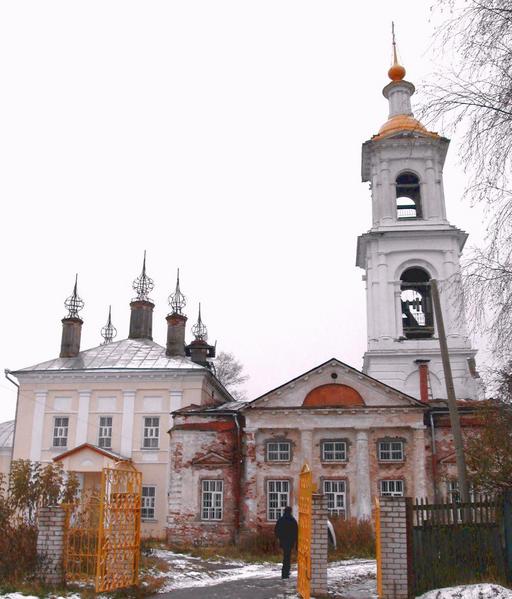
x: 473, y: 591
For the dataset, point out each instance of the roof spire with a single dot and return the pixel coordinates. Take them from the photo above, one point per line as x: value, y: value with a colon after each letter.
x: 397, y: 71
x: 74, y: 303
x: 109, y: 331
x: 177, y: 301
x: 199, y: 330
x: 143, y: 284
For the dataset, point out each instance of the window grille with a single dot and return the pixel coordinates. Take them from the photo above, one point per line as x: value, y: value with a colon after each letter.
x: 334, y: 451
x: 279, y: 451
x: 60, y: 431
x: 391, y: 451
x: 335, y: 491
x: 148, y: 502
x: 105, y: 432
x: 212, y: 499
x: 392, y: 488
x: 278, y: 497
x: 151, y: 437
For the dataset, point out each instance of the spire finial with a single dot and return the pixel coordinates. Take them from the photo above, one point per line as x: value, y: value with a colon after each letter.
x: 397, y: 71
x: 109, y: 331
x: 143, y: 285
x: 199, y: 330
x: 177, y: 301
x: 74, y: 303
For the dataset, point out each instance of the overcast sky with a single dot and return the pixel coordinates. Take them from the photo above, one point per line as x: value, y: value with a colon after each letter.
x: 223, y: 137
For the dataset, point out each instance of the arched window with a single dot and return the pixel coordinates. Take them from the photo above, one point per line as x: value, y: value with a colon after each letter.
x: 408, y: 204
x: 416, y: 300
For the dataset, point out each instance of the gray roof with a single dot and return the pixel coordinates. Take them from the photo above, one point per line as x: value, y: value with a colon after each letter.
x: 6, y: 434
x: 132, y: 354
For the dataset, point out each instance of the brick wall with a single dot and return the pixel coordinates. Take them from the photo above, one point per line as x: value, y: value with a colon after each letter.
x: 319, y: 547
x: 50, y: 544
x: 395, y: 546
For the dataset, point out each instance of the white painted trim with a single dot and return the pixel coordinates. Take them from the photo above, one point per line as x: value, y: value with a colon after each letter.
x: 82, y: 419
x: 38, y: 426
x: 127, y: 423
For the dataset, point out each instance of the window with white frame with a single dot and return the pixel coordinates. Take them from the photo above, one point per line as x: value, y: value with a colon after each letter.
x: 148, y: 502
x: 151, y: 435
x: 105, y: 432
x: 212, y: 499
x: 278, y: 497
x: 278, y: 451
x: 60, y: 431
x: 335, y: 491
x: 334, y: 451
x: 391, y: 451
x: 392, y: 488
x: 453, y: 493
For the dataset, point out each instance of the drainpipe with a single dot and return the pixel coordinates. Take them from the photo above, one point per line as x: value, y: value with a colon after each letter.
x: 7, y: 372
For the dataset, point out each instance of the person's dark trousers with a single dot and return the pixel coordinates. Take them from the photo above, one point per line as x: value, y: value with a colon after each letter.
x: 287, y: 554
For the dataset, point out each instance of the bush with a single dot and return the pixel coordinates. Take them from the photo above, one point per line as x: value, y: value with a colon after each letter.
x: 354, y: 538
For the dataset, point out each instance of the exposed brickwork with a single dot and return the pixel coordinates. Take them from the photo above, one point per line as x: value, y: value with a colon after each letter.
x: 50, y: 544
x: 319, y: 547
x: 394, y: 547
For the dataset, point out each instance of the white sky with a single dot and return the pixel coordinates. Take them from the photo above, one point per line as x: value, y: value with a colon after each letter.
x: 223, y: 137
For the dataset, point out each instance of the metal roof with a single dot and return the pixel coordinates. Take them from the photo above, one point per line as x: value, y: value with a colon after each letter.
x: 6, y: 433
x: 131, y: 354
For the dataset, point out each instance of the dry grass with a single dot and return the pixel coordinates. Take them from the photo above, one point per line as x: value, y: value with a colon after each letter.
x: 355, y: 539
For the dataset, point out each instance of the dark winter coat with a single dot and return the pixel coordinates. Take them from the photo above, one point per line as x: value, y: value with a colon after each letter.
x: 286, y: 531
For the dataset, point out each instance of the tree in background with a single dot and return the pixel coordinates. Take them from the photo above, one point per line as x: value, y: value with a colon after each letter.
x: 229, y: 371
x: 474, y: 95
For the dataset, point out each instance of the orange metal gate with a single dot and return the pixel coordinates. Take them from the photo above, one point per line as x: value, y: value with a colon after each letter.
x: 305, y: 526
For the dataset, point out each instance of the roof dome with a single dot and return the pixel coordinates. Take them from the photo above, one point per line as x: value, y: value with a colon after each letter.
x: 401, y: 122
x: 6, y: 434
x: 396, y: 72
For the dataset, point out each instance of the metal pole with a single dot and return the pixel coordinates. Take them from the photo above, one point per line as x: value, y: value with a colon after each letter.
x: 450, y: 391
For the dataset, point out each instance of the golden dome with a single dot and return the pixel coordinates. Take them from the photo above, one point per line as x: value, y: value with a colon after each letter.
x: 396, y: 72
x: 402, y: 122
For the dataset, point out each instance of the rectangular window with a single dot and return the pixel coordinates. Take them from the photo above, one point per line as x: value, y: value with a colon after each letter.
x: 212, y: 499
x: 105, y: 432
x: 278, y: 497
x: 151, y: 436
x: 391, y: 451
x: 392, y: 488
x: 453, y: 493
x: 334, y: 451
x: 148, y: 501
x: 278, y: 451
x: 335, y: 491
x: 60, y: 431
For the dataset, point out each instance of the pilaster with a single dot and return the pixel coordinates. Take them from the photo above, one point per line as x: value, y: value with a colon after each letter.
x: 364, y: 508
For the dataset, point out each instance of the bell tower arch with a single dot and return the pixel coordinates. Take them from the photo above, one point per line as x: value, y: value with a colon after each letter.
x: 409, y: 243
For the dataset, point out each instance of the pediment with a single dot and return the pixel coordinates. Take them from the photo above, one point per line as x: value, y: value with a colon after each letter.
x: 334, y: 384
x: 212, y: 458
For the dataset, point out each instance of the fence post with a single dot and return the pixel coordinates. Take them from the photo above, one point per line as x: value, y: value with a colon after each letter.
x: 319, y: 541
x: 507, y: 522
x: 50, y: 543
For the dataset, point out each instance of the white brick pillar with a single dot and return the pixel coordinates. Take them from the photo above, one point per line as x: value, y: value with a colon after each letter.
x: 50, y: 543
x: 364, y: 507
x: 319, y: 546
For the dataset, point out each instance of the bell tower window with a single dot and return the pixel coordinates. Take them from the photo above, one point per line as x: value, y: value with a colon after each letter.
x: 417, y: 316
x: 408, y: 202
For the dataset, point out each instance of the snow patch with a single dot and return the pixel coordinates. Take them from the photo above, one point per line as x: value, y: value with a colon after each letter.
x: 473, y: 591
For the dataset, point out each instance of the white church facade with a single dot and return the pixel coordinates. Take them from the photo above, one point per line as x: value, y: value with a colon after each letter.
x: 215, y: 469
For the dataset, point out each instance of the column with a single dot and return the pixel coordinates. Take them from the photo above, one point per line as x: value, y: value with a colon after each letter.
x: 127, y: 423
x: 175, y: 399
x: 36, y: 443
x: 364, y: 505
x: 420, y: 475
x: 399, y: 329
x: 82, y: 419
x: 249, y: 514
x: 306, y: 447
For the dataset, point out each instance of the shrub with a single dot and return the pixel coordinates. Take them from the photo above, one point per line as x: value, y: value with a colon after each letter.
x: 354, y: 538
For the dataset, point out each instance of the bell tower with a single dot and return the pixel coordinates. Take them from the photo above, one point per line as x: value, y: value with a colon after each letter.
x: 409, y: 243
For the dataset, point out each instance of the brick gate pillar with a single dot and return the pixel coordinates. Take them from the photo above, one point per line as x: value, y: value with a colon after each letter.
x: 50, y: 543
x: 319, y: 546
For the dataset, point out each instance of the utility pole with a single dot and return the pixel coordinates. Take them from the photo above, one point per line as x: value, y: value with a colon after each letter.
x: 450, y: 391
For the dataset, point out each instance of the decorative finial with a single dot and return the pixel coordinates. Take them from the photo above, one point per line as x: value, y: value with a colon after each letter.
x: 74, y: 303
x: 397, y: 71
x: 199, y: 330
x: 143, y: 285
x: 109, y: 331
x: 177, y: 301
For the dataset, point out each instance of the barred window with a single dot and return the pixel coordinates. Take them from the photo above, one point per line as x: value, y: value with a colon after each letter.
x: 278, y: 497
x: 105, y: 432
x: 278, y: 451
x: 151, y: 436
x: 148, y: 501
x: 212, y: 499
x: 335, y: 491
x: 60, y: 431
x: 391, y: 451
x: 392, y: 488
x: 334, y: 451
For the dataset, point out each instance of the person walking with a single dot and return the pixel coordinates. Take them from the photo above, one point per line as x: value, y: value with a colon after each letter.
x: 286, y: 531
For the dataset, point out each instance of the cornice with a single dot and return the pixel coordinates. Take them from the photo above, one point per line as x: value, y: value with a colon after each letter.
x: 119, y: 375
